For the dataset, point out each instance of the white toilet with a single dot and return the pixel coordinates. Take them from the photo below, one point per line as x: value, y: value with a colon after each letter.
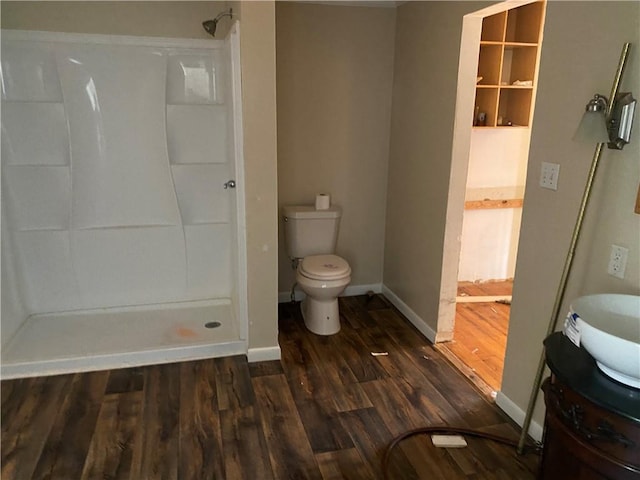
x: 310, y: 239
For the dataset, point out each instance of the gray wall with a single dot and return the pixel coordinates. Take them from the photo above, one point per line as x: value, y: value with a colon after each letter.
x: 581, y: 48
x: 580, y: 51
x: 334, y: 77
x: 424, y: 97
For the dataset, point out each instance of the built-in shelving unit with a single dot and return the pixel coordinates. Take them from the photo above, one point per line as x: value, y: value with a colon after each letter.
x: 507, y: 66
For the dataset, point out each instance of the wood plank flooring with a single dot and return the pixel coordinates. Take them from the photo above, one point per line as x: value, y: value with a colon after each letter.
x: 325, y: 411
x: 479, y: 289
x: 480, y: 334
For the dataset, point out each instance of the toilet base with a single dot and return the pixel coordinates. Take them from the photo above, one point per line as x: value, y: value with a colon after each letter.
x: 321, y: 316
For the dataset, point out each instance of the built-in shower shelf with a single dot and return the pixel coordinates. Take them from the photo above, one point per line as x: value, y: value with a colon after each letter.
x: 121, y: 337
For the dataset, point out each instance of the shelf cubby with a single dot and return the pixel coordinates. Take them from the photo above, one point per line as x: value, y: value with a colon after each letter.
x: 509, y: 43
x: 523, y: 23
x: 519, y: 64
x: 493, y: 28
x: 515, y: 106
x: 489, y: 64
x: 487, y: 103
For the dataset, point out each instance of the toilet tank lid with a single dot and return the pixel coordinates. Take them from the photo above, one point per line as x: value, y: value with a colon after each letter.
x: 310, y: 212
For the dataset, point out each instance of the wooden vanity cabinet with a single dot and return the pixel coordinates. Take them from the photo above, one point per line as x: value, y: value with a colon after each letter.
x: 592, y: 423
x: 583, y: 441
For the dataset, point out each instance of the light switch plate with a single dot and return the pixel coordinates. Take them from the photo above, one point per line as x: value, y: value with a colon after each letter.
x: 549, y: 173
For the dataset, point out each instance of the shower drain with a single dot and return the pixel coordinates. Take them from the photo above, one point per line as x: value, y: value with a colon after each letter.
x: 212, y: 324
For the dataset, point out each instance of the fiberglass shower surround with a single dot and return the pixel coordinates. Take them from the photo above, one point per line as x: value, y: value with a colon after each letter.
x: 115, y: 151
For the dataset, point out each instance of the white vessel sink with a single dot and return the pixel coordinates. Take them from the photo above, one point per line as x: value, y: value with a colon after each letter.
x: 609, y: 329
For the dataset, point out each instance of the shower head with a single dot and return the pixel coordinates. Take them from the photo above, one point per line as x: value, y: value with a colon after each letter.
x: 210, y: 25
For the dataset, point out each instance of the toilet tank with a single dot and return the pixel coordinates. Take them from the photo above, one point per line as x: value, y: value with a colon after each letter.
x: 308, y: 231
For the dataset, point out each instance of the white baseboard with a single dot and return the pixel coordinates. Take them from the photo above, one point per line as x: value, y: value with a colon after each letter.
x: 263, y: 354
x: 517, y: 415
x: 413, y: 317
x: 353, y: 290
x: 350, y: 291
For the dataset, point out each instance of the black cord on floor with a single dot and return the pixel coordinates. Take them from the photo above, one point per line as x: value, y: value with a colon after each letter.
x: 448, y: 430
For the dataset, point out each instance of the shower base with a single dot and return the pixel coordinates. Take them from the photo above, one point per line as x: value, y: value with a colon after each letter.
x: 50, y: 344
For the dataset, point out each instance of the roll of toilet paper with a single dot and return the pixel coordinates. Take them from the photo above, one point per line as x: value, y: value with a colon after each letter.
x: 323, y: 201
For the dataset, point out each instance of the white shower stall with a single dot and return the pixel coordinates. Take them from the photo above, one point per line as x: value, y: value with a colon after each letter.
x: 123, y: 239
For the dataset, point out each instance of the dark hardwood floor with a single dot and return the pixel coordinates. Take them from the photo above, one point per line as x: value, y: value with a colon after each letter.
x: 326, y: 411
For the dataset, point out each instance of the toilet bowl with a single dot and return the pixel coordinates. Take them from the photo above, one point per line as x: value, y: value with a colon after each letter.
x: 322, y: 278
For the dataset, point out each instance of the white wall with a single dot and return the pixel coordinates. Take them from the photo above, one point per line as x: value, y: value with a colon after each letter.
x: 497, y: 171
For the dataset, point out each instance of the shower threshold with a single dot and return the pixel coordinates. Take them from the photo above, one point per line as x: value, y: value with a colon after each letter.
x: 78, y: 341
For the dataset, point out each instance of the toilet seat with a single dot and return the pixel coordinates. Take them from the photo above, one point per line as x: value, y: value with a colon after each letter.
x: 324, y: 267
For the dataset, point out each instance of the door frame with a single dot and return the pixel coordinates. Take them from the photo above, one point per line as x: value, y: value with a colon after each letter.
x: 460, y: 152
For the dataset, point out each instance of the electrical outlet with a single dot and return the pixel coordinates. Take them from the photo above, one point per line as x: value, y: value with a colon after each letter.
x: 617, y: 261
x: 549, y: 173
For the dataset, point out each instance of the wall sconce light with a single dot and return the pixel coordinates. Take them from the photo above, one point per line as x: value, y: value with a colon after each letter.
x: 602, y: 124
x: 611, y: 124
x: 621, y: 120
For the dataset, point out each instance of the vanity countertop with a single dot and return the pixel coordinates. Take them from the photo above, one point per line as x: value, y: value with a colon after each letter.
x: 575, y: 367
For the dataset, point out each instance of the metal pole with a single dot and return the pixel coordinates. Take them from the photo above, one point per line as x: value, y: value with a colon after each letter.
x: 572, y: 248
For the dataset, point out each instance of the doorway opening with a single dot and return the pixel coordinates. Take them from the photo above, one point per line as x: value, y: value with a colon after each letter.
x: 497, y: 79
